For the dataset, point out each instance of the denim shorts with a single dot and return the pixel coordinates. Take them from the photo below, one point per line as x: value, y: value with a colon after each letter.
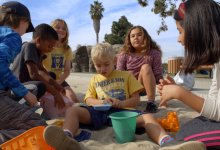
x: 101, y: 119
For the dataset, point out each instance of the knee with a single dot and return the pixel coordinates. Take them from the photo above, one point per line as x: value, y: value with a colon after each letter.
x: 146, y: 68
x: 147, y: 118
x: 71, y: 111
x: 141, y: 121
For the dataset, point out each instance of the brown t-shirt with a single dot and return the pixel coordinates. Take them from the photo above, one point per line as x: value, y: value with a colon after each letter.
x: 29, y: 52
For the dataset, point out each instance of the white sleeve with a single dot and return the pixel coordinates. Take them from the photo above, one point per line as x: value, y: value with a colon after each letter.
x: 211, y: 106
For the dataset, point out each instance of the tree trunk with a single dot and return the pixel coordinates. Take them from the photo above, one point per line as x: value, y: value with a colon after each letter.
x: 96, y: 25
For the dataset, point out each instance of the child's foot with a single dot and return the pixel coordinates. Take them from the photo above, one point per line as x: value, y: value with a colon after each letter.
x: 182, y: 145
x: 84, y: 135
x: 55, y: 137
x: 151, y: 107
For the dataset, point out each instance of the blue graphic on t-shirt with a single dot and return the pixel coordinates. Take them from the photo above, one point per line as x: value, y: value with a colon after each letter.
x: 57, y: 62
x: 117, y: 93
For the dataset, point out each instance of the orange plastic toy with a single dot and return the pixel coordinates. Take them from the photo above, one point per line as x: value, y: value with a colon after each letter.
x: 29, y: 140
x: 170, y: 123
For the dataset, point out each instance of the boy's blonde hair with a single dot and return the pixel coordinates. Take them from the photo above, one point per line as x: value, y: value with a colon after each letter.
x: 102, y: 51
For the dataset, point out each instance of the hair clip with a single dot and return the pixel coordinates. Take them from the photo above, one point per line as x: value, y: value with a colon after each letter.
x: 181, y: 10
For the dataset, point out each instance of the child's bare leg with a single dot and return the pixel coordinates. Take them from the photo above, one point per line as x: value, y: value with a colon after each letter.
x: 158, y: 134
x: 74, y: 116
x: 146, y: 77
x: 152, y: 127
x: 66, y: 139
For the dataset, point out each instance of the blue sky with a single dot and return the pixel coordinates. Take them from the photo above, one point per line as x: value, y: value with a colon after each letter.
x: 76, y: 14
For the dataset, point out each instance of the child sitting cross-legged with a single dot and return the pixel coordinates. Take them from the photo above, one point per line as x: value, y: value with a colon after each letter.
x: 121, y: 89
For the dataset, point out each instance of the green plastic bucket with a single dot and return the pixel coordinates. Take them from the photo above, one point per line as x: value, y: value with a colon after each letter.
x: 124, y: 125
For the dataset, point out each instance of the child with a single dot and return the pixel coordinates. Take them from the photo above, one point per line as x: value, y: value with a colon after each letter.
x: 14, y: 118
x: 199, y: 33
x: 120, y: 88
x: 58, y: 62
x: 28, y: 64
x: 142, y: 57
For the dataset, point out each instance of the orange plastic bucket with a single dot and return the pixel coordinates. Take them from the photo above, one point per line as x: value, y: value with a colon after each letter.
x: 29, y: 140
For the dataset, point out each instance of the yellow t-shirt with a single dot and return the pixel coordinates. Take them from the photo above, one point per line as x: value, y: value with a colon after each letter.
x: 56, y: 59
x: 119, y: 85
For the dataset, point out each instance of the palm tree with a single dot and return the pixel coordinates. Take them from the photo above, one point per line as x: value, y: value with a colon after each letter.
x: 96, y: 11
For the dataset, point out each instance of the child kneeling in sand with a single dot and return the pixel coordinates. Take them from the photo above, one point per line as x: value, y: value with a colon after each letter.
x: 121, y: 89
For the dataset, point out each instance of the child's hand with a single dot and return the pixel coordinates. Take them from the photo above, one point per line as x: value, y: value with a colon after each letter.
x: 107, y: 101
x: 168, y: 80
x: 116, y: 103
x: 169, y: 92
x: 58, y: 101
x: 31, y: 99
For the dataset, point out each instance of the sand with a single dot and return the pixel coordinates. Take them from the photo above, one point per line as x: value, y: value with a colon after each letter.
x: 105, y: 140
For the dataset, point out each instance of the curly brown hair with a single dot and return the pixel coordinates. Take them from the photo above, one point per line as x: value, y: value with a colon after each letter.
x: 149, y: 44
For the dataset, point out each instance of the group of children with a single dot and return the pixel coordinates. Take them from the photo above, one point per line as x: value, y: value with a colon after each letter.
x: 23, y: 74
x: 198, y: 33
